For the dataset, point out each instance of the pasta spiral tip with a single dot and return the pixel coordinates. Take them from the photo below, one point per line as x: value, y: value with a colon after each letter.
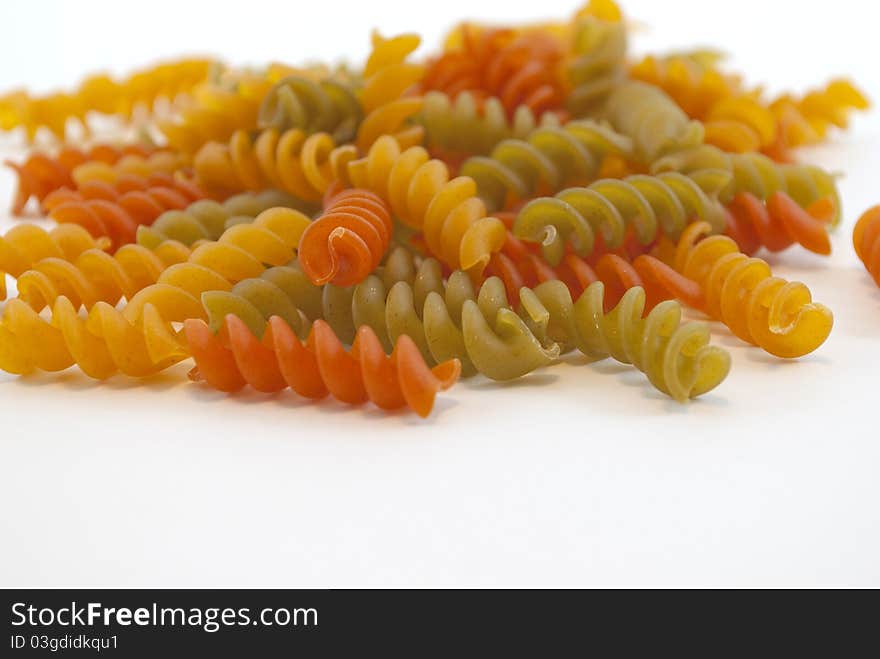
x: 777, y: 315
x: 677, y: 359
x: 348, y: 241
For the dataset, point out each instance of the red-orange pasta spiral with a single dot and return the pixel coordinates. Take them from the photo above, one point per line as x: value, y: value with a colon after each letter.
x: 318, y: 367
x: 520, y: 265
x: 778, y: 223
x: 866, y: 240
x: 116, y: 210
x: 42, y: 174
x: 348, y: 241
x: 519, y: 69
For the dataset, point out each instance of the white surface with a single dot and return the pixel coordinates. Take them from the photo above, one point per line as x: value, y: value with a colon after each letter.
x: 576, y: 476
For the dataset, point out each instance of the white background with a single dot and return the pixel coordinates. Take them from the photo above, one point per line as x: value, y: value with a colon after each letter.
x: 579, y: 475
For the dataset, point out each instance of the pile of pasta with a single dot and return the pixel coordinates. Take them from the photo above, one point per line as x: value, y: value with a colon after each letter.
x: 376, y: 232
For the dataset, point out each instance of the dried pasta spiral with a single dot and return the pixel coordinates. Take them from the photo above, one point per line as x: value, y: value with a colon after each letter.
x: 734, y: 119
x: 140, y: 339
x: 159, y: 162
x: 548, y: 159
x: 775, y: 314
x: 456, y: 227
x: 757, y: 174
x: 216, y: 111
x: 97, y: 276
x: 207, y: 219
x: 597, y: 63
x: 388, y: 78
x: 117, y: 211
x: 692, y: 80
x: 806, y: 120
x: 519, y: 67
x: 650, y: 204
x: 740, y: 124
x: 40, y: 174
x: 319, y: 366
x: 26, y: 244
x: 287, y: 292
x: 519, y: 267
x: 778, y: 223
x: 102, y: 94
x: 242, y: 251
x: 326, y: 106
x: 677, y: 359
x: 654, y: 122
x: 348, y: 241
x: 446, y: 320
x: 463, y: 125
x: 866, y: 240
x: 303, y: 165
